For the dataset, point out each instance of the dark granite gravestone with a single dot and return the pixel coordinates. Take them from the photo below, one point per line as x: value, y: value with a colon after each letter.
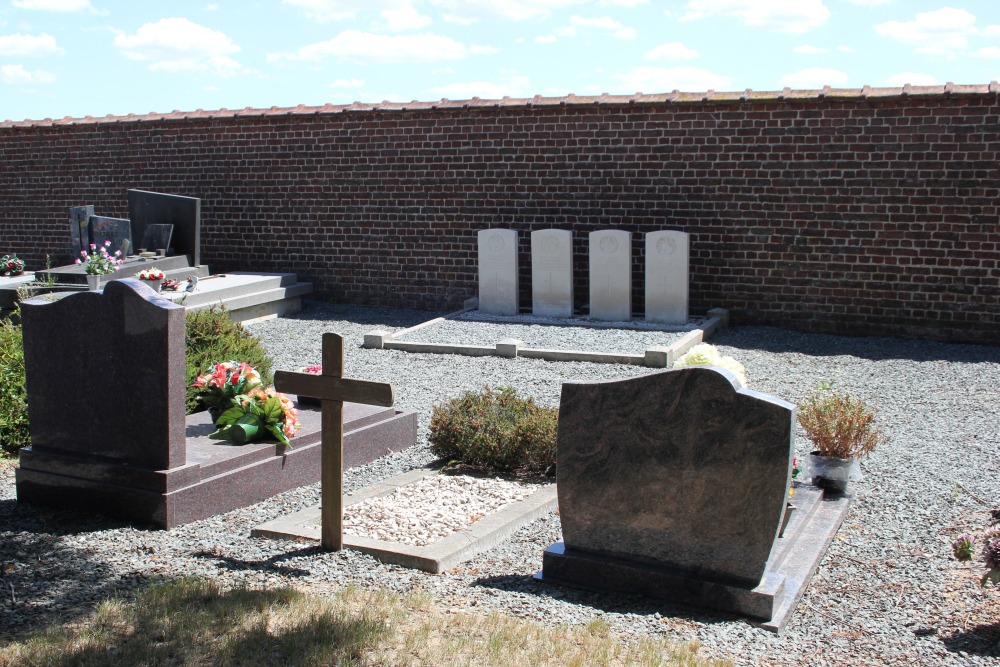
x: 184, y: 213
x: 79, y: 228
x: 116, y: 230
x: 107, y: 420
x: 675, y: 485
x: 157, y: 237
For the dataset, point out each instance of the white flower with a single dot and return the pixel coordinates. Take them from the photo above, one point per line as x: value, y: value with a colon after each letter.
x: 734, y: 367
x: 700, y: 354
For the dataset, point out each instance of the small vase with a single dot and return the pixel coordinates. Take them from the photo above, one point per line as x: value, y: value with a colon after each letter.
x: 833, y: 474
x: 152, y: 284
x: 94, y: 281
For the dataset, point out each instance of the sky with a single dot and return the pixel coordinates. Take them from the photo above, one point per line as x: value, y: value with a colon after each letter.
x: 76, y: 58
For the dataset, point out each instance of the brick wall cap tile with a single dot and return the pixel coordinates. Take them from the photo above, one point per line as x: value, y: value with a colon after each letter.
x: 673, y: 97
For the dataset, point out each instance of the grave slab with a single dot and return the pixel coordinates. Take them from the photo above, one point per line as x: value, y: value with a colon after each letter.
x: 552, y: 273
x: 611, y: 275
x: 437, y: 557
x: 498, y: 273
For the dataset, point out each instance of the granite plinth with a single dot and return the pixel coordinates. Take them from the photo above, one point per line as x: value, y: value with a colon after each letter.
x: 810, y: 528
x: 217, y: 476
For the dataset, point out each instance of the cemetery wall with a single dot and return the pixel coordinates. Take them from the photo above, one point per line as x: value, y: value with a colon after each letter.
x: 860, y: 212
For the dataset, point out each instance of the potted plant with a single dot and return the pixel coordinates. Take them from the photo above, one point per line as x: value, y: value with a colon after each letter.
x: 152, y: 277
x: 965, y: 546
x: 99, y: 262
x: 843, y: 430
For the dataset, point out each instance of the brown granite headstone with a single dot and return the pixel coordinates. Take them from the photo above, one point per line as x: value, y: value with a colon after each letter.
x: 105, y: 375
x: 675, y: 484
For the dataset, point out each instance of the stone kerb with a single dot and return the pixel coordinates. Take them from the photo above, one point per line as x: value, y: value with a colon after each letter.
x: 105, y: 375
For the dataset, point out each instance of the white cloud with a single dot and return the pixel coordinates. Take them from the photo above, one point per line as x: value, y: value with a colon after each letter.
x: 348, y: 83
x: 940, y: 32
x: 367, y: 47
x: 212, y: 7
x: 28, y: 45
x: 17, y: 75
x: 665, y: 79
x: 809, y: 49
x: 992, y: 52
x: 545, y: 39
x: 604, y: 23
x: 780, y: 15
x: 178, y: 45
x: 991, y: 30
x: 53, y: 5
x: 403, y: 18
x: 815, y: 77
x: 914, y: 78
x: 514, y: 85
x: 869, y: 3
x: 844, y: 48
x: 463, y: 11
x: 671, y: 51
x: 623, y: 3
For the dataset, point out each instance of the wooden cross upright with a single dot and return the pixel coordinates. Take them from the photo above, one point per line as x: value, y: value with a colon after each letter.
x: 333, y: 390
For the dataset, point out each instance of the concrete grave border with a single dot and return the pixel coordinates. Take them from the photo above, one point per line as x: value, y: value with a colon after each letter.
x: 653, y: 357
x: 436, y: 557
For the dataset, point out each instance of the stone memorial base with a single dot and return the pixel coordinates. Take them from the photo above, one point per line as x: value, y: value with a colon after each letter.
x: 217, y: 477
x: 794, y: 558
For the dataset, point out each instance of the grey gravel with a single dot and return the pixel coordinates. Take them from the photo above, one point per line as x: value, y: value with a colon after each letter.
x: 887, y: 591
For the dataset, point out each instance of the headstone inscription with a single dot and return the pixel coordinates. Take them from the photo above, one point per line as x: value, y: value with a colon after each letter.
x: 498, y: 291
x: 184, y: 213
x: 333, y: 389
x: 157, y: 237
x: 667, y: 277
x: 116, y: 230
x: 674, y: 485
x: 611, y: 275
x: 552, y: 273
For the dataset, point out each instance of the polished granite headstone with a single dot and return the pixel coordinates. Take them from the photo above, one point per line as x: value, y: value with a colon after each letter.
x: 156, y: 208
x: 674, y: 484
x: 116, y: 230
x: 108, y: 429
x: 79, y: 228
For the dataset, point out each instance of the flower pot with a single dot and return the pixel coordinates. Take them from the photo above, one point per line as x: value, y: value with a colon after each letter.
x: 833, y: 474
x: 94, y: 281
x: 152, y: 284
x: 214, y: 414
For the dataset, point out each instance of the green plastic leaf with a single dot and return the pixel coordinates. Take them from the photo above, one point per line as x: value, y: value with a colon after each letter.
x: 230, y: 416
x: 272, y: 410
x: 278, y: 434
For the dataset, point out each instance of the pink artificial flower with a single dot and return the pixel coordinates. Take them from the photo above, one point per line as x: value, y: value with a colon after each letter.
x: 313, y: 370
x: 93, y: 246
x: 78, y: 262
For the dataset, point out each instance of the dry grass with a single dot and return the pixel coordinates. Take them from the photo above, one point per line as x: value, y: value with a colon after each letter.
x: 192, y: 622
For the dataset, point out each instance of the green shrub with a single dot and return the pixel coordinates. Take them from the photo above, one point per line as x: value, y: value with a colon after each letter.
x: 495, y: 429
x: 13, y: 396
x: 212, y: 338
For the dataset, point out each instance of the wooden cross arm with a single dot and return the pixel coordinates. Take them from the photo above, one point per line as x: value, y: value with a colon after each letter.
x: 334, y: 388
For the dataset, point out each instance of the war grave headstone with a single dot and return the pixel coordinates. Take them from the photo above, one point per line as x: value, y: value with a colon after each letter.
x: 667, y: 277
x: 611, y: 275
x: 108, y: 428
x: 184, y: 213
x: 675, y: 485
x: 552, y: 273
x: 498, y: 272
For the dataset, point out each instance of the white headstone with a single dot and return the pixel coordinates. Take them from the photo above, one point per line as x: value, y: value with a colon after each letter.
x: 667, y: 277
x: 611, y: 275
x: 498, y: 272
x: 552, y: 273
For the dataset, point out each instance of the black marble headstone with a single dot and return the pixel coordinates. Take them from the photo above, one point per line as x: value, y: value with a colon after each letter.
x: 184, y: 213
x: 79, y: 228
x: 116, y: 230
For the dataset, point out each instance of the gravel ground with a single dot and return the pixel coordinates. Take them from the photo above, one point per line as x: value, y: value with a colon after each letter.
x: 887, y: 591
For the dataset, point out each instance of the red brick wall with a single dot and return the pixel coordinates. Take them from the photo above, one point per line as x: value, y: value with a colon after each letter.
x: 854, y: 215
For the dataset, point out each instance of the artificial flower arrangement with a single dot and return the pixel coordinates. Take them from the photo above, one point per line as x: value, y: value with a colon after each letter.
x: 99, y: 261
x: 258, y: 411
x: 221, y: 383
x: 151, y: 273
x: 704, y: 354
x: 10, y: 265
x: 248, y: 411
x: 171, y: 285
x: 313, y: 370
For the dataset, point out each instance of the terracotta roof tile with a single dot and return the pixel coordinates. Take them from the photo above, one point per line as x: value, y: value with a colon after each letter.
x: 674, y: 97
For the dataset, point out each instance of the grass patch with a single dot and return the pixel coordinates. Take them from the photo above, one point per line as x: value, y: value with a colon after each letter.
x: 194, y: 622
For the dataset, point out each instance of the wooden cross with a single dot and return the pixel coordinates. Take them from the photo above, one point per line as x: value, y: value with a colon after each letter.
x: 333, y: 390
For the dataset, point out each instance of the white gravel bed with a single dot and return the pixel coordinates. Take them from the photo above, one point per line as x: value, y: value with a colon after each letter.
x: 423, y: 512
x: 543, y: 336
x: 886, y: 593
